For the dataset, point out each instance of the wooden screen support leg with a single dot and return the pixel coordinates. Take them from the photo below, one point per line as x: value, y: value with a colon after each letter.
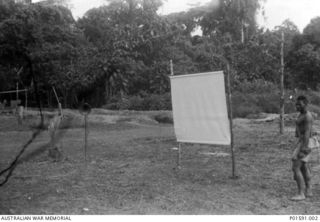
x: 85, y: 137
x: 179, y: 157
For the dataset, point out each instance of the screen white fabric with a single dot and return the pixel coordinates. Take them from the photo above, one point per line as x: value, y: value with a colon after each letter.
x: 200, y: 109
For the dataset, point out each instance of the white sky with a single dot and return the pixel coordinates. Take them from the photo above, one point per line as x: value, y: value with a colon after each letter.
x: 298, y: 11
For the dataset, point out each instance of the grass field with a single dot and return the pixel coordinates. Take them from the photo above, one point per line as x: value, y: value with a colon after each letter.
x: 132, y: 169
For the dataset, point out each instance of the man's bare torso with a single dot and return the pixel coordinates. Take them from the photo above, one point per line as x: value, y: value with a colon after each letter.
x: 303, y: 124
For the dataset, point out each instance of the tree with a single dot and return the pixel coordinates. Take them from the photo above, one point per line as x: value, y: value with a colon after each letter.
x: 304, y: 57
x: 312, y: 31
x: 7, y: 8
x: 130, y: 36
x: 45, y: 40
x: 236, y: 18
x: 306, y: 64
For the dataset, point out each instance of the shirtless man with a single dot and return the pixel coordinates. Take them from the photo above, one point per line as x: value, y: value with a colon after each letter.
x: 302, y: 153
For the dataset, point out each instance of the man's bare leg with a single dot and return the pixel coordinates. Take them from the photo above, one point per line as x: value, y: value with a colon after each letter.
x: 296, y: 167
x: 305, y: 169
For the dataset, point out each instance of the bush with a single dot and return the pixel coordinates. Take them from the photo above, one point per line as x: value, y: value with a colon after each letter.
x: 112, y: 106
x: 315, y: 109
x: 256, y: 87
x: 255, y: 97
x: 159, y: 102
x: 164, y: 118
x: 269, y: 103
x: 245, y: 109
x: 290, y: 107
x: 247, y: 98
x: 314, y: 97
x: 141, y: 102
x: 135, y: 103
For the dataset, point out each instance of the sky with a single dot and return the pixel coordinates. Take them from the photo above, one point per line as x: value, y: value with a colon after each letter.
x: 298, y: 11
x: 276, y: 11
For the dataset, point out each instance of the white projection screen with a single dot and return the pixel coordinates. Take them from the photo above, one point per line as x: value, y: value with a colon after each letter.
x: 199, y: 106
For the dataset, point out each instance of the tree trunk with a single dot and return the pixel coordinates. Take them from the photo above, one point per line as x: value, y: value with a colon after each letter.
x: 35, y: 82
x: 65, y: 97
x: 107, y: 91
x: 49, y: 99
x: 121, y: 94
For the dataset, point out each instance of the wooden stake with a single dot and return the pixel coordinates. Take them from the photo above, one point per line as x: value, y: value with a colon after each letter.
x: 85, y: 109
x: 282, y: 86
x: 231, y: 123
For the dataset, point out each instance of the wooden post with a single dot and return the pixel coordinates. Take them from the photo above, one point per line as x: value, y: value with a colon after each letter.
x: 17, y: 84
x: 282, y: 86
x: 17, y: 91
x: 179, y: 157
x: 179, y: 148
x: 26, y: 105
x: 231, y: 123
x: 85, y: 136
x: 85, y: 109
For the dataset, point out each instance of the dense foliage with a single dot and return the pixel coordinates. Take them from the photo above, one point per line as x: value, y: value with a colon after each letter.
x: 118, y: 55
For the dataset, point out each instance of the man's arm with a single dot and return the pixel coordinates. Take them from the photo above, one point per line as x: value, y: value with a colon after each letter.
x: 306, y: 135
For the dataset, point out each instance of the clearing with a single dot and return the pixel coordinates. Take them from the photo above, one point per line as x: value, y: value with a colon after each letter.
x: 132, y: 169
